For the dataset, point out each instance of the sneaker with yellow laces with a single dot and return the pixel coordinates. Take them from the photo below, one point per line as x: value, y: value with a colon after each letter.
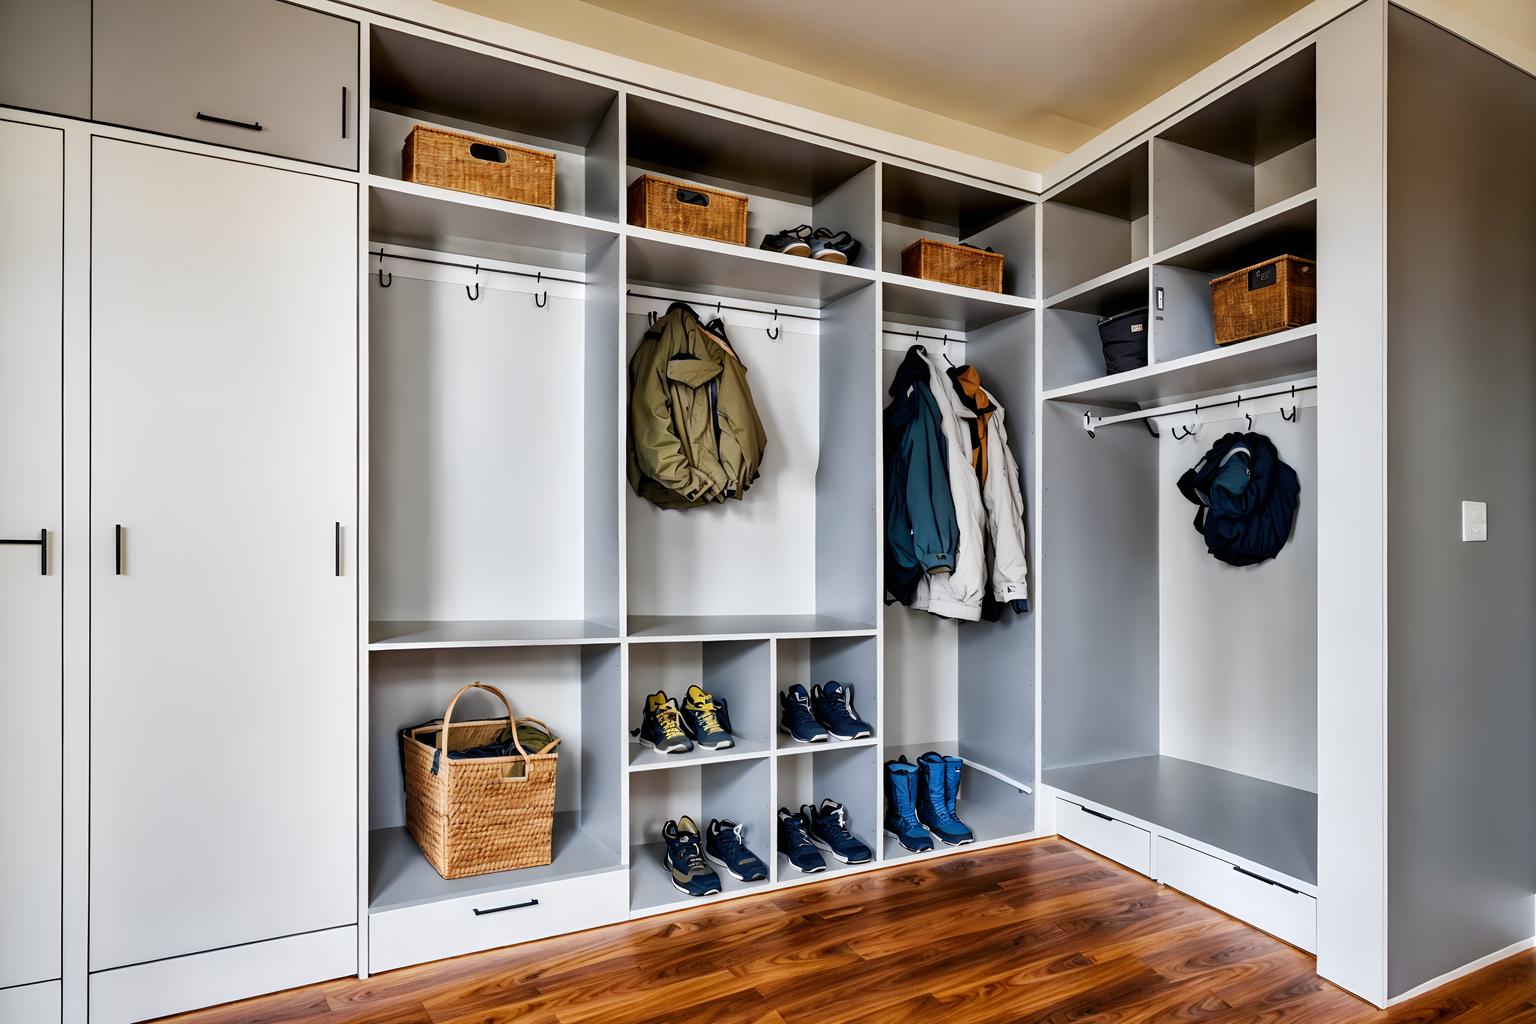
x: 707, y: 719
x: 661, y: 726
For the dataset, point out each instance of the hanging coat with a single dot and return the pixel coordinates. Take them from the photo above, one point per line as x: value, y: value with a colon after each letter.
x: 1247, y: 496
x: 957, y: 594
x: 921, y: 534
x: 694, y: 433
x: 1007, y: 550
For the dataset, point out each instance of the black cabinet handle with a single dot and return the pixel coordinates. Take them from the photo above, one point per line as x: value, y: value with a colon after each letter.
x: 343, y: 111
x: 42, y: 545
x: 254, y: 126
x: 510, y: 906
x: 1266, y: 881
x: 1096, y: 814
x: 338, y: 549
x: 117, y: 532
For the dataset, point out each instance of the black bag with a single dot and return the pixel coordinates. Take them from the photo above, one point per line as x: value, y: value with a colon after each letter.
x: 1247, y: 498
x: 1124, y: 338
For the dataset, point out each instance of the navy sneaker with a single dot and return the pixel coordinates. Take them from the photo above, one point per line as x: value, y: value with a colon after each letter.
x: 938, y: 788
x: 661, y: 727
x: 901, y: 806
x: 833, y: 707
x: 834, y: 247
x: 795, y: 717
x: 829, y: 830
x: 795, y: 842
x: 691, y: 875
x: 706, y: 720
x: 790, y: 241
x: 725, y: 844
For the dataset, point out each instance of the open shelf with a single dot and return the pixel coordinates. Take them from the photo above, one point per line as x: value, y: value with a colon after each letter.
x: 1119, y: 290
x: 700, y: 264
x: 1286, y: 227
x: 989, y: 826
x: 946, y: 306
x: 912, y: 751
x: 401, y: 876
x: 1289, y: 355
x: 788, y: 747
x: 644, y: 759
x: 1263, y: 822
x: 650, y: 883
x: 1098, y: 223
x: 425, y: 217
x: 674, y: 628
x: 920, y: 204
x: 406, y: 636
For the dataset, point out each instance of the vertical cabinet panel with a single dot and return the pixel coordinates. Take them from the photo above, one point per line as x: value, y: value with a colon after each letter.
x: 31, y: 466
x: 45, y: 55
x: 223, y: 442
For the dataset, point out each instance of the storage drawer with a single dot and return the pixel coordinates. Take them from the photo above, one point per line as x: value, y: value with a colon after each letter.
x: 432, y: 931
x: 1276, y: 908
x: 1125, y: 844
x: 160, y: 64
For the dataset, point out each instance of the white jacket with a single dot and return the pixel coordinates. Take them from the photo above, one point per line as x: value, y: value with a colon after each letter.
x: 957, y: 594
x: 1004, y: 500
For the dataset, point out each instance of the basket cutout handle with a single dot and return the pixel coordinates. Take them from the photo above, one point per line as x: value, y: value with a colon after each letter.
x: 490, y: 154
x: 519, y: 771
x: 692, y: 198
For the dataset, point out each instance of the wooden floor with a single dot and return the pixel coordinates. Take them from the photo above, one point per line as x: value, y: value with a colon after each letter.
x: 1037, y: 932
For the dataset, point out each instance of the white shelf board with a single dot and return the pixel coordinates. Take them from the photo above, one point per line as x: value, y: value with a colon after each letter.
x: 650, y: 883
x: 425, y: 217
x: 932, y: 303
x: 1288, y: 355
x: 789, y: 876
x: 1270, y: 825
x: 411, y: 636
x: 665, y: 260
x: 683, y: 628
x: 644, y: 759
x: 789, y: 748
x: 913, y: 751
x: 400, y: 875
x: 1124, y: 288
x: 989, y: 827
x: 1233, y: 245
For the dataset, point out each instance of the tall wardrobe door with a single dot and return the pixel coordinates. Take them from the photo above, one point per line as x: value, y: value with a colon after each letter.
x: 223, y: 617
x: 31, y: 485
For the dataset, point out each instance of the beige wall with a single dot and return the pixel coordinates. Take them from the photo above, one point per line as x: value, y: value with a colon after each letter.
x: 1513, y: 19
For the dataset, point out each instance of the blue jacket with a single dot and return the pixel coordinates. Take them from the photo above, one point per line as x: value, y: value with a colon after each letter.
x: 1247, y: 499
x: 922, y: 534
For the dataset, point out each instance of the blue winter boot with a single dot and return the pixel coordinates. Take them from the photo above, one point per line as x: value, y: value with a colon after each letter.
x: 938, y: 788
x: 901, y: 806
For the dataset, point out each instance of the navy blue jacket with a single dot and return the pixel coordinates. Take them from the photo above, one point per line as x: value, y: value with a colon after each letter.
x: 1248, y: 499
x: 922, y: 534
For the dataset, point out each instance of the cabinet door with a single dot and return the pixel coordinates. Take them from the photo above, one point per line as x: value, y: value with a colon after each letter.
x: 45, y: 55
x: 285, y: 76
x: 31, y: 486
x: 223, y: 627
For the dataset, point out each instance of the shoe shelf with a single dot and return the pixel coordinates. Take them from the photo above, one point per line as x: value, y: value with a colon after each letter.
x: 664, y: 260
x: 681, y: 628
x: 912, y: 751
x: 946, y: 306
x: 788, y: 875
x: 991, y: 828
x: 406, y: 636
x: 645, y: 759
x: 787, y: 747
x: 651, y: 890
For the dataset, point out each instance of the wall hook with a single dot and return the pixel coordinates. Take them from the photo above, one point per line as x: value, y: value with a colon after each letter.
x: 774, y: 332
x: 473, y: 295
x: 1250, y: 422
x: 1087, y: 420
x: 1294, y: 414
x: 545, y: 300
x: 651, y: 318
x: 385, y: 280
x: 1177, y: 436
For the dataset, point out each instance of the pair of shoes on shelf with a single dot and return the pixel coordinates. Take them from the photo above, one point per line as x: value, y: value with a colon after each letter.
x: 801, y: 833
x: 817, y: 243
x: 689, y: 855
x: 824, y: 711
x: 669, y: 729
x: 920, y: 799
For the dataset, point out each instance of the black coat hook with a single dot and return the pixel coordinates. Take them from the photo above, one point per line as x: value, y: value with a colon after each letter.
x: 385, y: 280
x: 1087, y: 420
x: 1177, y: 436
x: 650, y: 318
x: 541, y: 303
x: 774, y: 332
x: 1250, y: 422
x: 1294, y: 414
x: 473, y: 295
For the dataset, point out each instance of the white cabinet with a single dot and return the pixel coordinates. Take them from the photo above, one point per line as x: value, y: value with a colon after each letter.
x: 1246, y: 895
x: 1120, y: 842
x: 31, y: 491
x: 223, y: 583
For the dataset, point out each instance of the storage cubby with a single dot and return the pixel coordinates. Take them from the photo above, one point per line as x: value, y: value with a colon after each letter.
x: 575, y: 690
x: 796, y: 554
x: 788, y: 180
x: 419, y: 80
x: 847, y: 774
x: 921, y: 204
x: 1097, y: 225
x: 737, y: 672
x: 1072, y: 349
x: 1248, y: 151
x: 462, y: 552
x: 740, y: 791
x: 852, y: 661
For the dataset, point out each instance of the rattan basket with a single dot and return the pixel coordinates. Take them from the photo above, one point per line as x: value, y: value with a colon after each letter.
x: 1275, y: 295
x: 698, y: 210
x: 947, y: 263
x: 486, y: 167
x: 471, y: 816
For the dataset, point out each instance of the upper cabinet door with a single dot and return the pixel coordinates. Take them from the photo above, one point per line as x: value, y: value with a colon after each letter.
x: 261, y: 75
x: 45, y: 55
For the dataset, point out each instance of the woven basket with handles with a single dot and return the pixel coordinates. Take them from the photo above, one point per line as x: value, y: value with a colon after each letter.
x: 472, y: 816
x: 486, y: 167
x: 948, y: 263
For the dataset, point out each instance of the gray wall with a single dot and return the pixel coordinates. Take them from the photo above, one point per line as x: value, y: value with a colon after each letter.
x: 1461, y: 374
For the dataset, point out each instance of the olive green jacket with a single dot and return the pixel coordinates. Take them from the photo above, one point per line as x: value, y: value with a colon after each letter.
x: 694, y: 434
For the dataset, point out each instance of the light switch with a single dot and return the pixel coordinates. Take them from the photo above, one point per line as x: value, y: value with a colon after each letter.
x: 1474, y: 520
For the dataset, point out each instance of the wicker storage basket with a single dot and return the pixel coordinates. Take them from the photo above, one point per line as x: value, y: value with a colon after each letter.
x: 469, y: 163
x: 688, y: 209
x: 948, y: 263
x: 471, y: 816
x: 1272, y: 296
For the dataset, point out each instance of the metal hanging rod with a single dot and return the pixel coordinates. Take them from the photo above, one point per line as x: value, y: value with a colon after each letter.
x: 477, y: 268
x: 718, y: 306
x: 1092, y: 423
x: 919, y: 335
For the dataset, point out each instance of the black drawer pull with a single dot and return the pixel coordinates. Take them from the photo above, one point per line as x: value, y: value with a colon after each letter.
x: 117, y: 532
x: 509, y: 906
x: 1266, y: 881
x: 42, y: 545
x: 254, y: 126
x: 343, y: 111
x: 1096, y: 814
x: 338, y: 549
